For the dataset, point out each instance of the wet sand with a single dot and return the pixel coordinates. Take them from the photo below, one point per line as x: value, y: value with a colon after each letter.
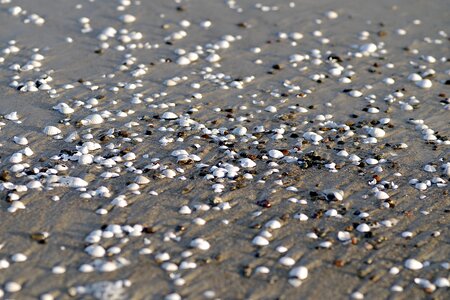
x: 228, y: 269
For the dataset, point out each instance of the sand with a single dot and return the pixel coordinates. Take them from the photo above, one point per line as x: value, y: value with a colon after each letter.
x: 228, y: 267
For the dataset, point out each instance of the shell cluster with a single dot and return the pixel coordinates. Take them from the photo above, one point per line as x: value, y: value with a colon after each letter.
x: 224, y: 149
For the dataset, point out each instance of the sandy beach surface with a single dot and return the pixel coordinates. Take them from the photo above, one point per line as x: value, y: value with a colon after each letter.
x: 212, y: 149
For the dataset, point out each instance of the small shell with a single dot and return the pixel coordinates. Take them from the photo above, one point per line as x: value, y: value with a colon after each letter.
x: 413, y: 264
x: 299, y: 272
x: 200, y: 244
x: 51, y: 130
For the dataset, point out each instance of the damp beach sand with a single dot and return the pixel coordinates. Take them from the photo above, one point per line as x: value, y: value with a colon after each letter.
x: 224, y: 149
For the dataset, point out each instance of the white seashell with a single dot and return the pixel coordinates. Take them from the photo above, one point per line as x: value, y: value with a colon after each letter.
x: 142, y: 180
x: 169, y: 267
x: 247, y: 163
x: 183, y: 61
x: 413, y: 264
x: 93, y: 119
x: 273, y: 224
x: 287, y: 261
x: 20, y: 140
x: 185, y: 210
x: 334, y: 194
x: 371, y: 161
x: 63, y: 108
x: 12, y: 287
x: 16, y: 158
x: 200, y: 243
x: 95, y: 250
x: 301, y: 217
x: 169, y: 116
x: 380, y: 195
x: 13, y: 116
x: 85, y: 159
x: 414, y: 77
x: 442, y: 282
x: 312, y: 136
x: 239, y: 131
x: 343, y: 236
x: 262, y: 270
x: 260, y: 241
x: 51, y: 130
x: 368, y: 48
x: 19, y: 257
x: 376, y: 132
x: 363, y: 227
x: 424, y: 83
x: 355, y: 93
x: 421, y: 186
x: 127, y: 18
x: 212, y: 58
x: 276, y: 154
x: 299, y: 272
x: 73, y: 182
